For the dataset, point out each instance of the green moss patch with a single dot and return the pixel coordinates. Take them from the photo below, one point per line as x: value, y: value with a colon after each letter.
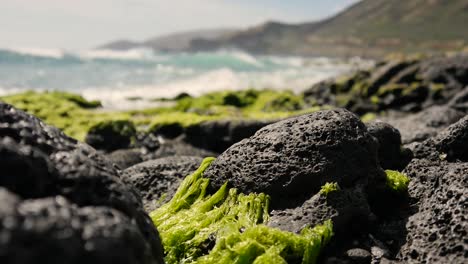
x: 397, y: 181
x: 329, y: 187
x: 76, y: 116
x: 229, y: 227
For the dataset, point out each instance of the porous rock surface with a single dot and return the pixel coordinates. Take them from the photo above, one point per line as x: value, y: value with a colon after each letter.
x: 437, y: 229
x: 296, y: 156
x: 157, y: 180
x: 63, y: 202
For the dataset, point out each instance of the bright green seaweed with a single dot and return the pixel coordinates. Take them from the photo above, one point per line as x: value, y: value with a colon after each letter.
x: 397, y: 181
x: 329, y: 187
x: 228, y: 227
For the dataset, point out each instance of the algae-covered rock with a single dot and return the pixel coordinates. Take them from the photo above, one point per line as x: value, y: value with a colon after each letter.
x: 157, y: 180
x: 391, y: 153
x: 111, y: 135
x: 44, y: 164
x: 296, y: 156
x: 229, y: 227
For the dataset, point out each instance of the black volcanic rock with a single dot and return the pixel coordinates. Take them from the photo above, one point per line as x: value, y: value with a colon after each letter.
x: 219, y: 135
x: 348, y: 209
x: 437, y: 229
x: 391, y: 154
x: 453, y: 141
x: 425, y: 124
x: 53, y: 230
x: 296, y: 156
x: 111, y: 135
x: 159, y: 179
x: 125, y: 158
x: 177, y: 147
x: 44, y: 165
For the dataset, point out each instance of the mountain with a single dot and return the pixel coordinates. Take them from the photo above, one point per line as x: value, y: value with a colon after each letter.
x: 368, y: 28
x: 170, y: 43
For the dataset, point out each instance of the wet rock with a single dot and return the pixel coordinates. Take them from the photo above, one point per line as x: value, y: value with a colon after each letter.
x: 45, y: 164
x: 392, y: 155
x: 111, y: 135
x: 157, y: 180
x: 219, y: 135
x: 295, y: 157
x: 125, y: 158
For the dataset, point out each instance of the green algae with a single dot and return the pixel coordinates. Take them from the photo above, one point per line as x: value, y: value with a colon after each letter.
x: 71, y: 113
x: 123, y: 128
x: 229, y: 227
x: 76, y: 116
x: 397, y: 181
x: 329, y: 187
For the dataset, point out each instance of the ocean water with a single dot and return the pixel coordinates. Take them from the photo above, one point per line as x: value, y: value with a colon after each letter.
x: 118, y: 78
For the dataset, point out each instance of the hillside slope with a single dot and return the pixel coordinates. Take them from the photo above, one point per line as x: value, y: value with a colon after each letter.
x: 370, y: 27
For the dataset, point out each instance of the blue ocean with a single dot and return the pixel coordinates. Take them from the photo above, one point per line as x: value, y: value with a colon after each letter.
x: 131, y: 79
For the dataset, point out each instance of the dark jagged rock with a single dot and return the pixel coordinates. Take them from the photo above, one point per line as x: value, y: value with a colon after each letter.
x: 111, y: 135
x: 382, y: 75
x: 125, y: 158
x: 437, y: 229
x: 460, y: 101
x: 295, y: 157
x: 425, y: 124
x: 52, y: 230
x: 170, y: 131
x: 44, y: 164
x: 157, y: 180
x: 148, y: 142
x: 392, y: 155
x: 347, y: 208
x: 177, y: 147
x: 219, y: 135
x: 453, y: 141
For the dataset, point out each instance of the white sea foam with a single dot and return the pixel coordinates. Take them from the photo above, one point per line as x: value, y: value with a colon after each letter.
x: 133, y: 54
x: 113, y: 77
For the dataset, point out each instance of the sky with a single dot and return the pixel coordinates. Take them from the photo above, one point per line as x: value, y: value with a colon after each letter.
x: 82, y: 24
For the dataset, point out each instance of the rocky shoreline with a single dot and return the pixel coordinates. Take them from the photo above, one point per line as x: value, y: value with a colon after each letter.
x: 311, y: 178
